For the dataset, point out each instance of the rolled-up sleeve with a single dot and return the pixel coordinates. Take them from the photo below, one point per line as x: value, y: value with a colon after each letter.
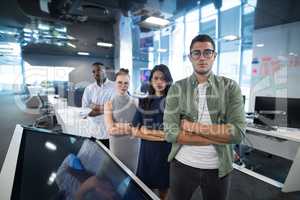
x: 235, y: 114
x: 172, y: 114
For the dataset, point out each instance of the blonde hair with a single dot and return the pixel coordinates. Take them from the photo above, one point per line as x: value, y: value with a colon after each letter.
x: 122, y: 71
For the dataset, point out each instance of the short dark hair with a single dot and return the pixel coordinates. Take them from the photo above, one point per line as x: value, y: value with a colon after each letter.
x: 98, y: 64
x: 122, y: 71
x: 202, y: 38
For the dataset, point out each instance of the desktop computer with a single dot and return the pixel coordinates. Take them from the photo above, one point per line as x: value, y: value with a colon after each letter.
x: 277, y: 111
x: 293, y: 113
x: 75, y: 97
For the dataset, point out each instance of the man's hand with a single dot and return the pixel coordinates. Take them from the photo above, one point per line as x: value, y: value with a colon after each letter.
x: 96, y: 110
x: 187, y: 125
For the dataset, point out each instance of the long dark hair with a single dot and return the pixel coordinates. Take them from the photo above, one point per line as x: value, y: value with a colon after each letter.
x: 146, y: 102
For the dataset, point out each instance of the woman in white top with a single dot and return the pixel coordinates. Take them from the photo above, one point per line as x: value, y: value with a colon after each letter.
x: 118, y: 115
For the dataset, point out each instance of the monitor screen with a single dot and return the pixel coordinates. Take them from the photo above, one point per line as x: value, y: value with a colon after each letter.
x: 57, y: 166
x: 277, y: 111
x: 271, y: 111
x: 293, y: 112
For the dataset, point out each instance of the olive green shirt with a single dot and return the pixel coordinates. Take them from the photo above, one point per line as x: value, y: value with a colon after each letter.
x: 225, y: 106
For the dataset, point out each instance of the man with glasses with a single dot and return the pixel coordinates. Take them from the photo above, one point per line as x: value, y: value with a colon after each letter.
x: 204, y: 116
x: 94, y: 97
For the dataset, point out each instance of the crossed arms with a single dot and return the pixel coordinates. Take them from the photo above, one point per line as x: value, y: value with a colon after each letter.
x: 116, y: 128
x: 183, y: 131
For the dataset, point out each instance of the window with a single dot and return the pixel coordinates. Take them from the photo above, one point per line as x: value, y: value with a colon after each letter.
x: 35, y: 75
x: 191, y: 28
x: 11, y: 77
x: 177, y: 50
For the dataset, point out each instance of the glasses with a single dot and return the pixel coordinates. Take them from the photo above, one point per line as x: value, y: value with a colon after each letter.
x: 207, y: 53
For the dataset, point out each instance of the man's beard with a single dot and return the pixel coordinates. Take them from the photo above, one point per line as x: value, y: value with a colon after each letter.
x: 101, y: 80
x: 203, y: 72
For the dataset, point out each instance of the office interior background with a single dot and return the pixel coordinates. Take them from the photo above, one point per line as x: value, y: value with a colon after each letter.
x: 49, y: 47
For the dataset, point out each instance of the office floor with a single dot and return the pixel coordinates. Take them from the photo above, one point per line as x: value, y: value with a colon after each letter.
x: 10, y: 115
x: 243, y: 186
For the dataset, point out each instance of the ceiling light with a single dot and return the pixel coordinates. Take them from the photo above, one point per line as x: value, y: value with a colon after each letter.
x: 104, y: 44
x: 150, y: 49
x: 161, y: 50
x: 61, y: 29
x: 71, y: 45
x: 157, y: 21
x: 27, y: 30
x: 230, y: 37
x: 61, y: 37
x: 27, y: 35
x: 50, y: 146
x: 59, y: 44
x: 260, y: 45
x: 70, y: 37
x: 81, y: 53
x: 9, y: 32
x: 43, y: 27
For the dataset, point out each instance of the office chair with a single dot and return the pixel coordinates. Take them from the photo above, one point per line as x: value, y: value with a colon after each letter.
x: 48, y: 119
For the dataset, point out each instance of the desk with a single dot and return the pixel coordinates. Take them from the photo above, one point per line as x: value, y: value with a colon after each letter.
x: 70, y: 119
x: 283, y: 142
x: 37, y: 89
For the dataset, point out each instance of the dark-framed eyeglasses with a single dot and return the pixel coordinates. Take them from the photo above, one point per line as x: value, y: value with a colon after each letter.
x: 207, y: 53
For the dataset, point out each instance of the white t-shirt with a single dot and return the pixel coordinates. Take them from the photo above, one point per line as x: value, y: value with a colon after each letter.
x: 202, y: 157
x: 94, y: 94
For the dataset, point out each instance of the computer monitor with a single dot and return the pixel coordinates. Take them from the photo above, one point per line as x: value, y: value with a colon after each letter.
x: 271, y: 111
x: 60, y: 166
x: 293, y: 112
x: 61, y: 88
x: 75, y: 97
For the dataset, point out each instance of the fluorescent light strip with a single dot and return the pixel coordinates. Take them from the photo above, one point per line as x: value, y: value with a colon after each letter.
x: 157, y: 21
x: 70, y: 37
x: 81, y: 53
x: 62, y: 29
x: 104, y: 44
x: 44, y: 27
x: 162, y: 50
x: 230, y: 37
x: 71, y: 45
x: 260, y: 45
x: 27, y: 30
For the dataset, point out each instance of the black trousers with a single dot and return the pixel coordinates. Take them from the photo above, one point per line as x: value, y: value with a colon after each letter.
x: 105, y: 142
x: 185, y: 180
